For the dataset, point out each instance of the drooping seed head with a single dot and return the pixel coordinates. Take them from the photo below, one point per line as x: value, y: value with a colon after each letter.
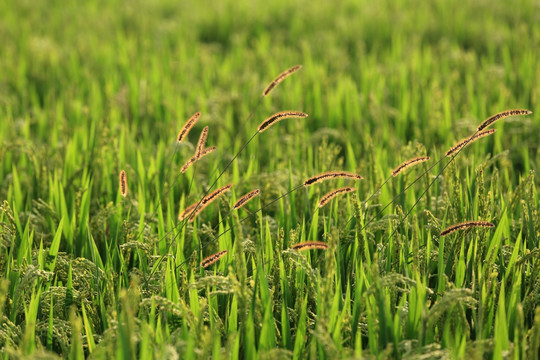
x: 245, y: 198
x: 192, y: 160
x: 188, y: 164
x: 309, y: 245
x: 331, y: 175
x: 216, y: 193
x: 208, y: 199
x: 332, y: 194
x: 407, y: 164
x: 212, y: 258
x: 208, y: 150
x: 280, y: 78
x: 504, y: 114
x: 465, y: 225
x: 187, y: 211
x: 280, y: 116
x: 467, y: 141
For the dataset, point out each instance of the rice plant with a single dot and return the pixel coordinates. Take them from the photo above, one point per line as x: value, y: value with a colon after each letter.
x: 245, y: 236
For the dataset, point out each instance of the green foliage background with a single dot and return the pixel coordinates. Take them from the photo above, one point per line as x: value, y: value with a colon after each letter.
x: 90, y: 88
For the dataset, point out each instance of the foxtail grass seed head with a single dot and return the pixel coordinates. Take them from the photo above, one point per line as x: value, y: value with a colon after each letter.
x: 212, y: 258
x: 407, y: 164
x: 465, y: 225
x: 208, y: 199
x: 280, y: 116
x: 196, y: 211
x: 187, y: 127
x: 123, y: 183
x: 332, y: 194
x: 216, y: 193
x: 188, y: 164
x: 331, y: 175
x: 469, y: 140
x: 245, y: 198
x: 504, y: 114
x: 187, y: 211
x: 309, y: 245
x: 201, y: 143
x: 280, y: 78
x: 194, y: 158
x: 207, y: 151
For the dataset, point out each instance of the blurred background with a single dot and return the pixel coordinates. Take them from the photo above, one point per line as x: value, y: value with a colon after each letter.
x: 395, y: 70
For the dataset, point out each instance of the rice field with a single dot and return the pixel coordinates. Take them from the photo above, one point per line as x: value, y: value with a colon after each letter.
x: 273, y: 180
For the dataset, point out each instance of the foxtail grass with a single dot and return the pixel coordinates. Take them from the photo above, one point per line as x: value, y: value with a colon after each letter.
x: 409, y: 163
x: 467, y: 141
x: 332, y: 194
x: 452, y: 157
x: 246, y: 198
x: 455, y: 154
x: 280, y: 78
x: 206, y: 262
x: 331, y: 175
x: 208, y: 150
x: 192, y: 160
x: 201, y: 143
x: 123, y: 183
x: 310, y: 245
x: 278, y: 117
x: 216, y: 237
x: 188, y: 164
x: 465, y: 225
x: 184, y: 214
x: 187, y: 127
x: 207, y: 200
x: 182, y: 135
x: 504, y: 114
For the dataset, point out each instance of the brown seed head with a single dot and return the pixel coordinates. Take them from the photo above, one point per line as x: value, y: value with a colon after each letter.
x: 194, y: 158
x: 123, y: 183
x: 280, y: 78
x: 504, y: 114
x: 245, y: 198
x: 201, y: 143
x: 406, y: 164
x: 187, y: 211
x: 465, y: 225
x: 467, y: 141
x: 308, y: 245
x: 280, y: 116
x: 187, y: 127
x: 332, y: 194
x: 208, y: 199
x: 188, y: 164
x: 331, y: 175
x: 208, y: 150
x: 212, y: 258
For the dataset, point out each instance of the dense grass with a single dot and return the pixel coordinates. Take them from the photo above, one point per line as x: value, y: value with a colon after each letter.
x: 90, y: 88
